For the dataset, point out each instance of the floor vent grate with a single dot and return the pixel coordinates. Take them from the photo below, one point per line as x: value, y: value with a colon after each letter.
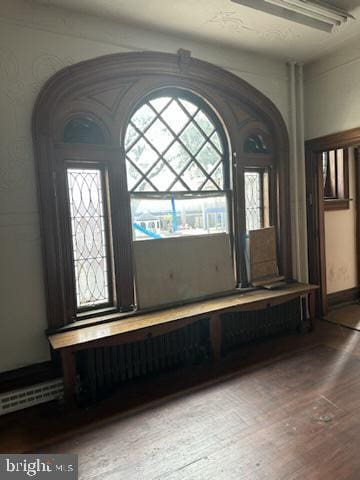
x: 30, y: 396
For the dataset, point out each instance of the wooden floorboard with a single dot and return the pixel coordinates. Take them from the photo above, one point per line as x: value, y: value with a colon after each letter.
x: 287, y: 408
x: 347, y: 316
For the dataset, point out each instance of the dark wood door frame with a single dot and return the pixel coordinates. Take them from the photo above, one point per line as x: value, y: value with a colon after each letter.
x: 315, y: 206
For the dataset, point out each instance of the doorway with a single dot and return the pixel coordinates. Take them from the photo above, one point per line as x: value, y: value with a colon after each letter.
x: 333, y: 216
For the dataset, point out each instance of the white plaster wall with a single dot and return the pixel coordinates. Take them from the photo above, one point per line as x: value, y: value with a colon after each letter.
x: 340, y: 243
x: 35, y: 42
x: 332, y: 104
x: 332, y: 93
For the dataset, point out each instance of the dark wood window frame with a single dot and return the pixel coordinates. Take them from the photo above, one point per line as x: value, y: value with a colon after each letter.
x: 108, y: 90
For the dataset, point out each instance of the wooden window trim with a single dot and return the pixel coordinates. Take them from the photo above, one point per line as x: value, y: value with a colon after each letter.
x: 336, y: 204
x: 109, y: 89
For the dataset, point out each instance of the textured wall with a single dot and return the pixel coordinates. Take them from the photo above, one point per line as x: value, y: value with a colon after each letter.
x: 332, y: 104
x: 332, y: 93
x: 340, y: 243
x: 35, y: 42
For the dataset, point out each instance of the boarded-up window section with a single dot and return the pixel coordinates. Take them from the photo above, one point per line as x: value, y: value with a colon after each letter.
x: 87, y: 215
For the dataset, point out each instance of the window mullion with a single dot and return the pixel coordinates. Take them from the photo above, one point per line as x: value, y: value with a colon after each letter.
x: 121, y: 223
x: 239, y: 221
x: 182, y: 171
x: 65, y: 242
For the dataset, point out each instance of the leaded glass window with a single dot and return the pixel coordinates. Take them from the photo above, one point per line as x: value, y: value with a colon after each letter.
x: 87, y: 214
x: 175, y: 147
x: 253, y: 200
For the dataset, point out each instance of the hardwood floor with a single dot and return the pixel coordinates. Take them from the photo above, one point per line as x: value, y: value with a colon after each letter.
x: 288, y: 408
x: 347, y: 316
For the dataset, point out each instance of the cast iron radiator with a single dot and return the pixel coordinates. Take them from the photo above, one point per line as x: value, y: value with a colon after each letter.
x: 103, y: 369
x: 243, y: 327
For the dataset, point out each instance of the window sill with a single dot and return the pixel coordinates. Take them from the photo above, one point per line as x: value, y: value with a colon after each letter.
x: 110, y: 317
x: 337, y: 204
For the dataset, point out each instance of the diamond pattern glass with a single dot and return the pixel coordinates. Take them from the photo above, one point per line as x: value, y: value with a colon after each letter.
x: 177, y: 157
x: 175, y: 117
x: 192, y: 138
x: 161, y: 176
x: 88, y: 236
x: 143, y: 117
x: 218, y: 175
x: 194, y: 177
x: 204, y: 123
x: 143, y: 155
x: 172, y: 145
x: 131, y: 135
x: 190, y: 107
x: 133, y: 175
x: 215, y: 139
x: 208, y: 157
x: 159, y: 136
x: 160, y: 103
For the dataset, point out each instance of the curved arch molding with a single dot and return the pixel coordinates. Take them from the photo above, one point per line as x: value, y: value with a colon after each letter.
x: 109, y: 88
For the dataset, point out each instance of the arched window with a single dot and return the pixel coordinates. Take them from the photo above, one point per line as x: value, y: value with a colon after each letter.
x: 176, y: 159
x: 143, y: 147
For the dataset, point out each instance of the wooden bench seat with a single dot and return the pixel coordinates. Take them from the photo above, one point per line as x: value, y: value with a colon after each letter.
x: 140, y: 326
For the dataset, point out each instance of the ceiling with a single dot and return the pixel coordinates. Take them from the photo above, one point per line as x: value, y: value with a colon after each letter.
x: 225, y: 23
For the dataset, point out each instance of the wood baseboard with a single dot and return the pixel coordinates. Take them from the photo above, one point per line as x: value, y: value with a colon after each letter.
x: 26, y: 376
x: 344, y: 296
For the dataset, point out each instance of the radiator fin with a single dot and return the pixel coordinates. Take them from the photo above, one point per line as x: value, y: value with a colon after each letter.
x: 242, y: 327
x: 102, y: 369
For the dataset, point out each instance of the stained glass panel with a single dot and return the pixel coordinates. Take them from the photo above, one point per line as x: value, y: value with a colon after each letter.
x: 88, y: 236
x: 253, y: 200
